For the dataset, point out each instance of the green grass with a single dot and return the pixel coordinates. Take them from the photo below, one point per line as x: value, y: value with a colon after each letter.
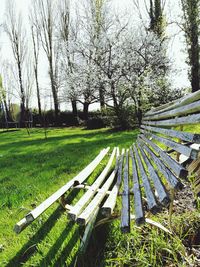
x: 32, y: 168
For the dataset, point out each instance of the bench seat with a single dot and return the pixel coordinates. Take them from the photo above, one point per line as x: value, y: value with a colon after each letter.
x: 142, y: 176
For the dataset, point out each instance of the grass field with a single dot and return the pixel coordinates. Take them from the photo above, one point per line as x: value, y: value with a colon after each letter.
x: 31, y: 168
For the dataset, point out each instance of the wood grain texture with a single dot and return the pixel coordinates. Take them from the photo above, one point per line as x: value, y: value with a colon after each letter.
x: 85, y: 199
x: 185, y: 150
x: 186, y: 120
x: 169, y: 176
x: 125, y: 213
x: 185, y: 100
x: 85, y: 216
x: 80, y: 178
x: 159, y: 187
x: 151, y: 201
x: 138, y: 207
x: 110, y: 203
x: 177, y: 112
x: 190, y: 137
x: 175, y: 167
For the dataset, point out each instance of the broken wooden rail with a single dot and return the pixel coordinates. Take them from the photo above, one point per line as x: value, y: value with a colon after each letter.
x: 145, y: 184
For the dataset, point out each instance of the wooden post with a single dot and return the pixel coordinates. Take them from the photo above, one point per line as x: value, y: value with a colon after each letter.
x: 179, y: 141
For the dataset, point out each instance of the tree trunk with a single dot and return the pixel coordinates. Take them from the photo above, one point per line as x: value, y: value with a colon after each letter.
x: 74, y: 108
x: 101, y: 97
x: 54, y: 92
x: 139, y: 109
x: 22, y: 105
x: 7, y: 111
x: 194, y: 58
x: 38, y: 94
x: 85, y: 110
x: 191, y: 15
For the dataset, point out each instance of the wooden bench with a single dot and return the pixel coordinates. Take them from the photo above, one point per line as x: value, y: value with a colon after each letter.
x: 154, y: 170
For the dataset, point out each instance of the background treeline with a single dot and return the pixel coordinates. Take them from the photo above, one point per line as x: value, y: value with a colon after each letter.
x: 93, y: 55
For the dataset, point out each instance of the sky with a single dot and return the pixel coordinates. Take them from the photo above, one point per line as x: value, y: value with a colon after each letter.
x: 176, y: 51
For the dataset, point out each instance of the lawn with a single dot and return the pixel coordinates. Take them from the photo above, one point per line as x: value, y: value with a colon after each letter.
x: 32, y: 168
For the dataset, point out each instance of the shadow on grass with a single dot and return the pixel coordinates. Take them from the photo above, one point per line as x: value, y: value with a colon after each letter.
x: 95, y: 250
x: 9, y: 131
x: 30, y: 248
x: 47, y: 165
x: 52, y: 164
x: 110, y: 134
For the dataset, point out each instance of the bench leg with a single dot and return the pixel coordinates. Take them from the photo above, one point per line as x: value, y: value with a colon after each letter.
x: 172, y: 193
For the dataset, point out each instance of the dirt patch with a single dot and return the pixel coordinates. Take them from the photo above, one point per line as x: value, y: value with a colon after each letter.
x: 184, y: 200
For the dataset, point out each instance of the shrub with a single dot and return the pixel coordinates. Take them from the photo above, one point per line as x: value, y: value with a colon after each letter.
x: 95, y: 123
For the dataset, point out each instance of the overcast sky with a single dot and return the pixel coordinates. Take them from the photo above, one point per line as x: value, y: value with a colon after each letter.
x: 176, y: 49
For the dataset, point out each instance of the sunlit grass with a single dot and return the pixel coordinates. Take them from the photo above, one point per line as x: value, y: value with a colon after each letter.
x: 31, y: 168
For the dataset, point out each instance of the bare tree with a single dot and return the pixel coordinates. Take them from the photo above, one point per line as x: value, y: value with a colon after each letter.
x: 28, y: 81
x: 4, y: 103
x: 7, y: 88
x: 17, y: 36
x: 36, y: 48
x: 45, y: 15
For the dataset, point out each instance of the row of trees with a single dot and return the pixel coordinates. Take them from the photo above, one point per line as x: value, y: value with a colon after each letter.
x: 95, y: 55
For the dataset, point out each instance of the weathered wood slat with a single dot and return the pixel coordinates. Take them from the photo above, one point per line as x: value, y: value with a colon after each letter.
x: 110, y: 203
x: 85, y: 216
x: 177, y: 168
x: 125, y: 214
x: 185, y: 110
x: 80, y: 178
x: 190, y: 119
x: 79, y: 206
x: 155, y: 110
x: 162, y: 195
x: 85, y: 187
x: 139, y: 212
x: 21, y: 225
x: 88, y: 231
x: 194, y: 138
x: 169, y: 176
x: 187, y: 151
x: 177, y: 103
x: 194, y: 166
x: 151, y: 201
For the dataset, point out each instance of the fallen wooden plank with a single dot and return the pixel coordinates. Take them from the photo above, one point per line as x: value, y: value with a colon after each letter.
x: 85, y: 216
x: 177, y: 168
x: 110, y: 203
x: 83, y: 201
x: 190, y: 137
x: 162, y: 194
x: 87, y: 187
x: 88, y: 231
x: 185, y: 150
x: 177, y: 112
x: 139, y: 212
x: 190, y: 119
x: 125, y: 213
x: 21, y: 225
x: 169, y: 176
x: 151, y: 201
x: 80, y: 178
x: 177, y: 103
